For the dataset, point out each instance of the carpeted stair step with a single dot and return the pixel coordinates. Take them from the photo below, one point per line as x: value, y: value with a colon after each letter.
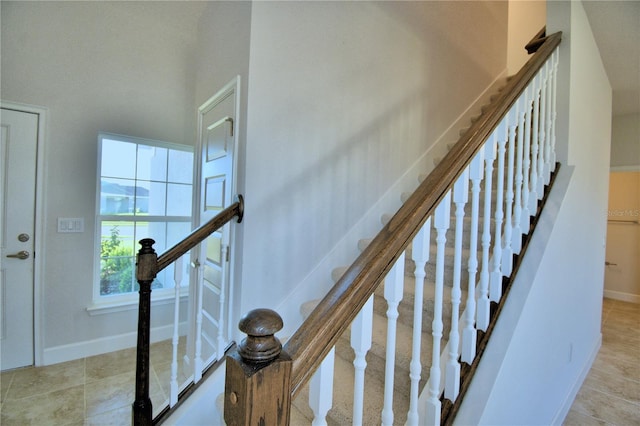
x: 341, y: 413
x: 405, y: 308
x: 430, y: 267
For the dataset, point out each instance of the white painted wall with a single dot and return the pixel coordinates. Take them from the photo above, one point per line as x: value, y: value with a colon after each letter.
x: 120, y: 67
x: 343, y: 98
x: 549, y: 333
x: 526, y: 18
x: 625, y: 141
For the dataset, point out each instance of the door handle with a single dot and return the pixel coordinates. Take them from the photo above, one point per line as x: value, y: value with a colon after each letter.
x: 22, y: 255
x: 195, y: 264
x: 610, y: 264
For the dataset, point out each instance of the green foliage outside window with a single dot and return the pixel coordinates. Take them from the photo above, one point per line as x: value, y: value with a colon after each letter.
x: 117, y: 266
x: 116, y: 269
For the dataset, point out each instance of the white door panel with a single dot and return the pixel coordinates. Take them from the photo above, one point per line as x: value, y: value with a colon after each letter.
x: 17, y: 217
x: 217, y: 136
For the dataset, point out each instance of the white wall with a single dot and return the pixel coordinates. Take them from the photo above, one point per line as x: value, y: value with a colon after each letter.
x: 549, y: 333
x: 121, y: 67
x: 526, y: 18
x: 625, y: 141
x: 343, y: 97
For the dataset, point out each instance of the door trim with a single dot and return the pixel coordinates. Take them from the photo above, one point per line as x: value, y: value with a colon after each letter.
x: 40, y: 226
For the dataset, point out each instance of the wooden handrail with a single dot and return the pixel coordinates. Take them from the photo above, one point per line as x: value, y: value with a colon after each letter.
x: 537, y: 40
x: 310, y: 344
x: 199, y: 234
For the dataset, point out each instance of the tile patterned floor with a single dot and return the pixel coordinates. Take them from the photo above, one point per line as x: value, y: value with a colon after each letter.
x: 96, y: 390
x: 610, y: 395
x: 99, y: 390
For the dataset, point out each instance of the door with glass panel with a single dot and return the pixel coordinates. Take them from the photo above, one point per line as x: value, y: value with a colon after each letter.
x: 217, y: 146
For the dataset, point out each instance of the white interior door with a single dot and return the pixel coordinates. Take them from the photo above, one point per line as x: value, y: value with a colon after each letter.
x: 622, y: 271
x: 17, y: 216
x: 217, y: 121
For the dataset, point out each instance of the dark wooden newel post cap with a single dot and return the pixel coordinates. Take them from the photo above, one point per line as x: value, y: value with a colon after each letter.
x: 260, y: 345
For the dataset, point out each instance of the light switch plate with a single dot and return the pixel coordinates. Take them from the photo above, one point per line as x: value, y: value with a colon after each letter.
x: 70, y: 224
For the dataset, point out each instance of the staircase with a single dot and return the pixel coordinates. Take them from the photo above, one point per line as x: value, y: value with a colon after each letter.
x: 397, y: 338
x: 342, y: 410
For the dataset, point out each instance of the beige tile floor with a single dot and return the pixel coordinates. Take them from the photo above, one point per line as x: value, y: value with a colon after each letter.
x: 610, y: 395
x: 99, y: 390
x: 96, y: 390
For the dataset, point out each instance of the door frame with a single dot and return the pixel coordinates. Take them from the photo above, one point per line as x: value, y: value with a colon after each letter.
x: 39, y: 225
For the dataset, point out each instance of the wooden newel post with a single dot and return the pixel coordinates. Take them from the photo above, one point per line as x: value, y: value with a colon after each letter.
x: 258, y: 381
x: 146, y: 269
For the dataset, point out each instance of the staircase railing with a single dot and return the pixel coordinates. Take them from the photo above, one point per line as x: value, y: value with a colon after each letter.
x: 148, y: 265
x: 518, y: 132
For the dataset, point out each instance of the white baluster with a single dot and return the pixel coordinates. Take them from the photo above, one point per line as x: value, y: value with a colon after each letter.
x: 539, y: 183
x: 222, y: 341
x: 452, y: 375
x: 393, y: 292
x: 554, y: 113
x: 197, y: 362
x: 469, y: 335
x: 495, y: 282
x: 420, y: 256
x: 525, y: 218
x: 507, y: 250
x: 361, y: 332
x: 483, y: 313
x: 524, y: 130
x: 533, y: 200
x: 321, y: 390
x: 546, y: 167
x: 441, y: 224
x: 177, y: 280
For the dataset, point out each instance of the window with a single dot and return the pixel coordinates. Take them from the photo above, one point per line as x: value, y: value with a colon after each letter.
x: 144, y: 190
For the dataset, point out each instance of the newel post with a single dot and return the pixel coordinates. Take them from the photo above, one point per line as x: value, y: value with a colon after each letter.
x: 146, y: 269
x: 258, y: 381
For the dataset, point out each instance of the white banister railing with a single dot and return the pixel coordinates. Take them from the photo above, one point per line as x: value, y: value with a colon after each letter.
x: 441, y: 220
x: 393, y: 292
x: 420, y: 256
x: 483, y: 305
x: 495, y: 282
x: 321, y: 390
x: 535, y: 148
x: 452, y: 374
x: 361, y: 335
x: 177, y: 275
x: 524, y: 122
x: 469, y: 336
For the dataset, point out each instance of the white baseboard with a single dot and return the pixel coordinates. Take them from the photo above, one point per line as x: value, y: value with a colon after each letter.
x: 63, y: 353
x: 625, y: 297
x: 568, y: 402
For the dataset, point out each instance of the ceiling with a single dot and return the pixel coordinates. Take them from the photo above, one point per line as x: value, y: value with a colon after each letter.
x: 616, y: 28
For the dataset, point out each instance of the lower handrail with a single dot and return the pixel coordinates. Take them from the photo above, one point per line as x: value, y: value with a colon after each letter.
x: 148, y: 265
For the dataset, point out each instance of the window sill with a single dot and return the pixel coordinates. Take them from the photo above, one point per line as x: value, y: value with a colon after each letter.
x: 131, y: 303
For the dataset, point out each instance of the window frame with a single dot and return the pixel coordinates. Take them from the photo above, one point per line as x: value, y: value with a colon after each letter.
x: 124, y: 301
